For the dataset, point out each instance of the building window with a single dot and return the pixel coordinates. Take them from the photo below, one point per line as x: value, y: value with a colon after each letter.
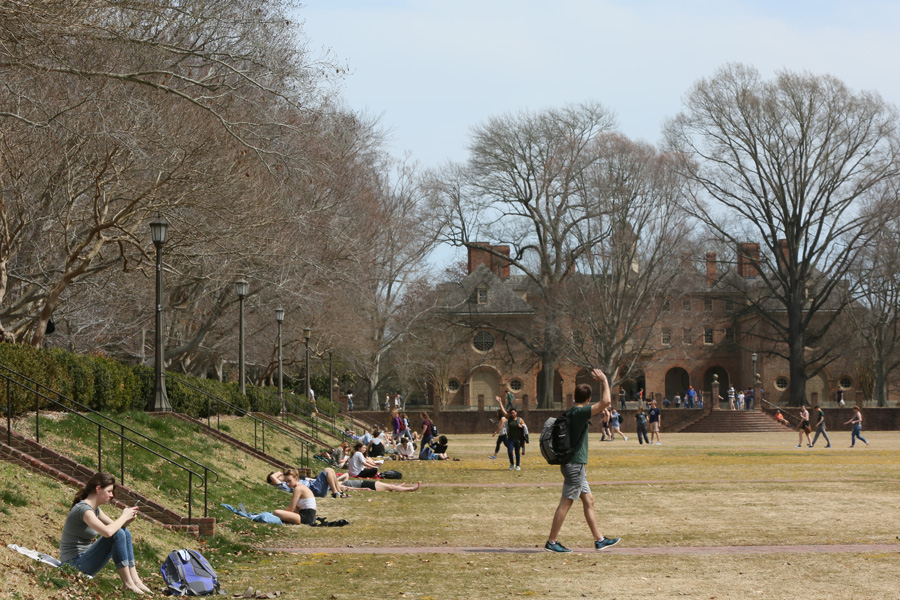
x: 484, y: 341
x: 781, y: 383
x: 686, y: 305
x: 729, y: 335
x: 729, y: 305
x: 666, y: 336
x: 707, y: 304
x: 686, y: 336
x: 482, y: 295
x: 515, y: 385
x: 846, y: 383
x: 707, y: 335
x: 453, y: 385
x: 667, y: 306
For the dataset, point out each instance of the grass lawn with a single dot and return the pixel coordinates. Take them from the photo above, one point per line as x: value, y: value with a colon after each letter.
x: 694, y: 492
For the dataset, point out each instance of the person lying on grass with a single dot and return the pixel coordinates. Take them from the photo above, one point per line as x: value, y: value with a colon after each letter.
x: 378, y: 486
x: 326, y: 480
x: 77, y: 546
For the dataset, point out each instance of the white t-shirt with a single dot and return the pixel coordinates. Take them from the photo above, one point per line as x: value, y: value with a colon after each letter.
x: 406, y: 450
x: 357, y: 463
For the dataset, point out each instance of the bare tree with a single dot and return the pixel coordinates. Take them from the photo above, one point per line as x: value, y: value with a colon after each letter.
x: 790, y: 162
x: 526, y: 185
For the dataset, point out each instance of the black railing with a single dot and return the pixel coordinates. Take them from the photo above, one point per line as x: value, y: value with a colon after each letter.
x: 8, y: 375
x: 259, y: 425
x: 329, y: 425
x: 784, y: 413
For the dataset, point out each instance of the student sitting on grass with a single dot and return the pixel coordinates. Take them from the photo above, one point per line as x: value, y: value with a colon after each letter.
x: 302, y: 508
x: 360, y: 465
x: 436, y: 449
x: 326, y: 480
x: 77, y: 546
x: 406, y: 450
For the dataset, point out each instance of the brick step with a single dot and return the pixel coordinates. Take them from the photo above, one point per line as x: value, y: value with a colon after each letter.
x: 734, y: 422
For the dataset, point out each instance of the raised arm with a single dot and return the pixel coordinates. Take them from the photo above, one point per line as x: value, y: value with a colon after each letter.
x: 106, y: 526
x: 500, y: 404
x: 606, y: 399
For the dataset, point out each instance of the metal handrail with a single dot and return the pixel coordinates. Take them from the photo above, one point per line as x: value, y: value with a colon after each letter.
x: 304, y: 447
x: 100, y: 428
x: 335, y: 430
x: 784, y: 411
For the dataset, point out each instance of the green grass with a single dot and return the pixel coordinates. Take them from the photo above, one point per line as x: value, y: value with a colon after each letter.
x: 695, y: 490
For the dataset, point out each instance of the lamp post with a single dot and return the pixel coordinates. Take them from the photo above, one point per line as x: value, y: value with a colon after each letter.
x: 159, y: 228
x: 242, y: 288
x: 306, y: 335
x: 753, y: 358
x: 279, y: 317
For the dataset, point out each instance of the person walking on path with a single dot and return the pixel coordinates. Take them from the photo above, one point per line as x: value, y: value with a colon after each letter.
x: 641, y: 419
x: 654, y: 415
x: 615, y: 424
x: 575, y: 483
x: 820, y: 427
x: 606, y: 417
x: 803, y: 428
x: 856, y: 421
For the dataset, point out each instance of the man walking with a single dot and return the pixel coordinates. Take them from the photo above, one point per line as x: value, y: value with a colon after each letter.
x: 575, y: 483
x: 820, y: 427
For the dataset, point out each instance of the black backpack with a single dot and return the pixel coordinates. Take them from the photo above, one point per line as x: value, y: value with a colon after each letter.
x: 558, y: 442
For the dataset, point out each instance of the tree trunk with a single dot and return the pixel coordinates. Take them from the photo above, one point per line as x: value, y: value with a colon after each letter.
x: 797, y: 353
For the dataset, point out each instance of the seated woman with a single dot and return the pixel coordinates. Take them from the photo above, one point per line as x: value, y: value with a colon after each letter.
x: 302, y: 508
x: 360, y: 465
x: 406, y: 450
x: 85, y: 520
x: 435, y: 450
x: 378, y: 486
x: 340, y: 455
x: 376, y: 445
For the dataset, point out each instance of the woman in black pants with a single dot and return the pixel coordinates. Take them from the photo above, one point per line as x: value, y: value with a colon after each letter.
x: 500, y: 431
x: 641, y: 419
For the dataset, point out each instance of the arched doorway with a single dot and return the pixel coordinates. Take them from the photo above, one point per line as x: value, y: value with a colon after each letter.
x: 557, y: 387
x: 724, y: 382
x: 632, y: 380
x: 486, y: 383
x: 677, y: 382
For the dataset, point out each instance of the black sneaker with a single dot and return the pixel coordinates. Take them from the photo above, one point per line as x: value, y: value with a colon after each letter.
x: 605, y: 543
x: 557, y: 547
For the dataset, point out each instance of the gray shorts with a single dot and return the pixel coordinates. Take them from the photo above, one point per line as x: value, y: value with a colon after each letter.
x: 574, y: 481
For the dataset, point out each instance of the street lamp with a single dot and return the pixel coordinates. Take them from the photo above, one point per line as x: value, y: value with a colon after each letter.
x: 306, y: 334
x: 756, y: 398
x: 279, y: 317
x: 242, y: 288
x: 159, y: 228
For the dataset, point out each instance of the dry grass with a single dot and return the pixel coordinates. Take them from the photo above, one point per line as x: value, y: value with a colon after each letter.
x: 695, y: 490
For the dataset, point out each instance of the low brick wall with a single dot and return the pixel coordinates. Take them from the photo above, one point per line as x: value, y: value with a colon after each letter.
x: 474, y: 421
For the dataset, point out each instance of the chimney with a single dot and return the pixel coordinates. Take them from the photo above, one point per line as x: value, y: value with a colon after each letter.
x: 711, y: 269
x: 748, y: 260
x: 480, y: 254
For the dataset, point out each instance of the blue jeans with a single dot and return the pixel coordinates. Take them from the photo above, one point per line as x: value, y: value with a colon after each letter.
x: 642, y: 432
x: 513, y: 445
x: 854, y: 435
x: 118, y: 547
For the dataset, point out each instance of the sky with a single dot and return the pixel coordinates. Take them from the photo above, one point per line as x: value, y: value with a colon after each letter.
x: 432, y: 69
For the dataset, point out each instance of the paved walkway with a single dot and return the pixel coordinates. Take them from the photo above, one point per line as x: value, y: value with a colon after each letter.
x: 620, y: 549
x: 558, y: 484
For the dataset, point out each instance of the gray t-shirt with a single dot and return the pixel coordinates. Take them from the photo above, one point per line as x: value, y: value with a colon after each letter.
x: 76, y: 535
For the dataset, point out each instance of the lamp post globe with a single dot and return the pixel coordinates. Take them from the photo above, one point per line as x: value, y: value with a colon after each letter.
x: 242, y: 287
x: 159, y: 229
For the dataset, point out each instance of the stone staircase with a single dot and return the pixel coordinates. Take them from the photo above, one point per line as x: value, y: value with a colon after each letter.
x: 236, y: 443
x: 734, y: 421
x: 45, y: 461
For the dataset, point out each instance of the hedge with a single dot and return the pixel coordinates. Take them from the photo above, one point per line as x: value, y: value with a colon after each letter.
x: 104, y: 384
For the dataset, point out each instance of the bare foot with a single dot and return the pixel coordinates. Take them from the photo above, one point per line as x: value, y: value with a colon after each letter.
x: 417, y: 486
x: 141, y: 585
x: 134, y: 588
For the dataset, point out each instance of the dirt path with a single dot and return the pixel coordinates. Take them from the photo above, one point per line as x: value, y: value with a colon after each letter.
x: 621, y: 549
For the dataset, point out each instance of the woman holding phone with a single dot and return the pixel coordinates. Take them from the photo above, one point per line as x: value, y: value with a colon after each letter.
x: 77, y: 546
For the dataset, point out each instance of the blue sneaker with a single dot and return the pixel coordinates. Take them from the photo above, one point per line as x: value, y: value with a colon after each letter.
x: 605, y: 543
x: 555, y: 547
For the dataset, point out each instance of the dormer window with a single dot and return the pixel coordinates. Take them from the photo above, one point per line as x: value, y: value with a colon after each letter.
x: 481, y: 295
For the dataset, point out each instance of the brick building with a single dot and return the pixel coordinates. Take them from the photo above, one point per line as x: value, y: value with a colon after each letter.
x: 703, y: 334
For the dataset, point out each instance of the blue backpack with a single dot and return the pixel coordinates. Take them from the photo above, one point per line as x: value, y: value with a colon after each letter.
x: 188, y: 573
